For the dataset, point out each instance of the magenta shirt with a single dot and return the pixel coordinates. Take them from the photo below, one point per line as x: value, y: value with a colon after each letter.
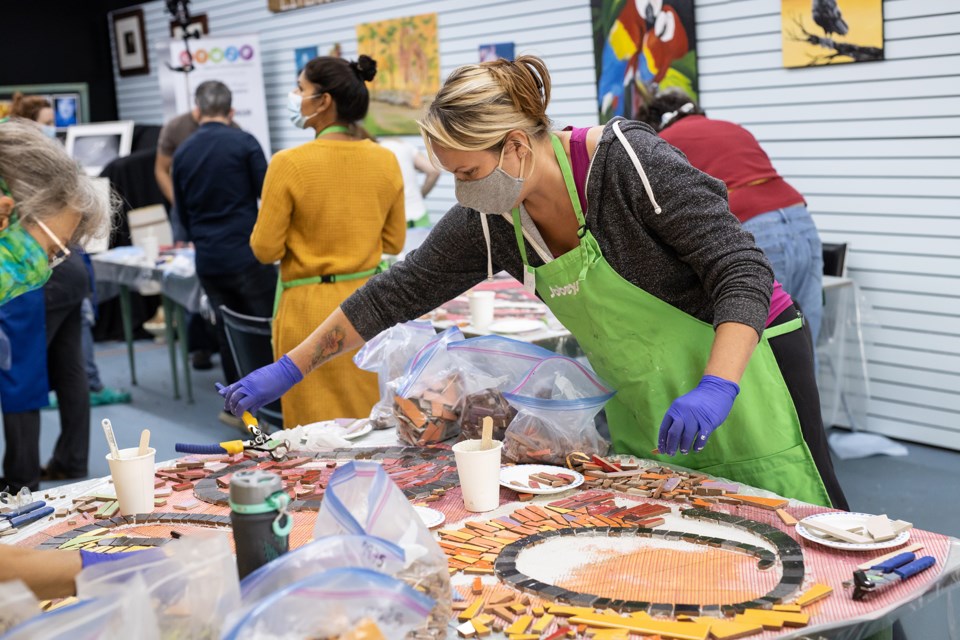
x: 580, y: 163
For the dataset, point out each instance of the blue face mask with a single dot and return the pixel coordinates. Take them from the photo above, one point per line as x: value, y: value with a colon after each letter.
x: 294, y: 102
x: 49, y: 130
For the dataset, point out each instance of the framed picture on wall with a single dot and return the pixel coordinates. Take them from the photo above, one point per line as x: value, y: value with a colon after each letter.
x: 198, y: 27
x: 130, y: 42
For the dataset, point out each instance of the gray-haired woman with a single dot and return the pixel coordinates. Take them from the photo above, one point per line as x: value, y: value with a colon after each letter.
x: 48, y: 203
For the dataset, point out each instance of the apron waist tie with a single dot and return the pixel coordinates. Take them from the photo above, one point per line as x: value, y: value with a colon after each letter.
x: 328, y: 279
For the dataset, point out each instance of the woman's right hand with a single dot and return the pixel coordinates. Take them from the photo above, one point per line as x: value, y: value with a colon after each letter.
x: 261, y: 387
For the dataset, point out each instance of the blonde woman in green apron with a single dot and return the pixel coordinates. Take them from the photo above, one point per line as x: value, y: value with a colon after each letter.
x: 642, y: 261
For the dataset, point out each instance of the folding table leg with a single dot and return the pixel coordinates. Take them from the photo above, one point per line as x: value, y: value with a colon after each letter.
x: 168, y: 320
x: 126, y: 314
x: 184, y: 350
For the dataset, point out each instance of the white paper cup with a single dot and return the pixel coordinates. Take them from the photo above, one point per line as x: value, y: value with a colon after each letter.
x: 481, y: 309
x: 479, y: 472
x: 133, y: 480
x: 151, y: 248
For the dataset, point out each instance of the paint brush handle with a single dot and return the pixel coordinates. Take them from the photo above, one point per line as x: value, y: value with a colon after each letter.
x: 111, y: 439
x: 144, y: 442
x: 486, y: 435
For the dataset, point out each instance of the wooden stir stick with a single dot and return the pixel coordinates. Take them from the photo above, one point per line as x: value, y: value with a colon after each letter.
x: 486, y: 436
x: 144, y: 442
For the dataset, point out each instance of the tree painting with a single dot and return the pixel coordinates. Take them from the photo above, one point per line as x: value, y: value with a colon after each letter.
x: 408, y: 71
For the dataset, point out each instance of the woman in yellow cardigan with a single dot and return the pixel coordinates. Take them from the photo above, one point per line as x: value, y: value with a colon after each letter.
x: 330, y: 208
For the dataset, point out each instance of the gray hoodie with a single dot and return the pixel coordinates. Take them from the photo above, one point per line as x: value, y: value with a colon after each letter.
x: 693, y: 255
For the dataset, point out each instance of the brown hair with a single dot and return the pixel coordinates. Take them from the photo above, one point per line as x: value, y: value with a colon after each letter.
x: 28, y: 107
x: 479, y: 104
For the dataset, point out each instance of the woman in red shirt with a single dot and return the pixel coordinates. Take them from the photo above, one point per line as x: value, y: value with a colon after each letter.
x: 767, y: 206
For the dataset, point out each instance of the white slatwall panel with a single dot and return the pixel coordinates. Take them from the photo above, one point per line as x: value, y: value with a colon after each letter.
x: 561, y: 36
x: 875, y: 147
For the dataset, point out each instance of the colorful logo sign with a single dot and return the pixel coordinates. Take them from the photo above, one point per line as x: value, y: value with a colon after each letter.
x: 217, y: 55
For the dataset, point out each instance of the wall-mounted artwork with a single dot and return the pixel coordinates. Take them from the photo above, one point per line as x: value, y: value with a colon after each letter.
x: 820, y: 32
x: 408, y: 71
x: 70, y: 102
x: 130, y: 42
x: 640, y: 46
x: 279, y: 6
x: 490, y: 52
x: 303, y: 55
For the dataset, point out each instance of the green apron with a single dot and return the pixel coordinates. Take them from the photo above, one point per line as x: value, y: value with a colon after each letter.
x: 290, y: 284
x: 652, y: 353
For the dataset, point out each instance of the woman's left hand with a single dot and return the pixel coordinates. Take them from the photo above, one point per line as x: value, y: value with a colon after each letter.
x: 700, y: 411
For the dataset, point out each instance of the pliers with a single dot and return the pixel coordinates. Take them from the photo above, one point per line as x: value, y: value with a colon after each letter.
x: 885, y: 574
x: 277, y: 448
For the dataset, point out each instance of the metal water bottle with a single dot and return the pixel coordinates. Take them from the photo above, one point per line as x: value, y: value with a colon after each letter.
x: 261, y: 524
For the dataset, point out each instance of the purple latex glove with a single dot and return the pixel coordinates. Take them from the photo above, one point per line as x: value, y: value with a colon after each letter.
x: 700, y: 411
x: 90, y: 558
x: 261, y: 387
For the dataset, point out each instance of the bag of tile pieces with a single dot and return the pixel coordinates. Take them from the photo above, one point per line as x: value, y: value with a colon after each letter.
x: 17, y: 604
x: 491, y: 365
x: 333, y: 604
x: 192, y: 583
x: 429, y: 396
x: 323, y: 554
x: 387, y: 355
x: 361, y: 499
x: 556, y: 404
x: 123, y: 614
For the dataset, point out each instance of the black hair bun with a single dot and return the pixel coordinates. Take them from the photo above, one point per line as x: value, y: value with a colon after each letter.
x: 365, y: 67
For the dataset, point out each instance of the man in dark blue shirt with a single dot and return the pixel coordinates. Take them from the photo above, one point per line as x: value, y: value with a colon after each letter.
x: 217, y: 177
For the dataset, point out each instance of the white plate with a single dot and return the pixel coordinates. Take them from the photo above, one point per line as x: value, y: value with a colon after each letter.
x: 522, y: 472
x: 844, y: 520
x: 340, y: 425
x: 431, y: 517
x: 515, y: 325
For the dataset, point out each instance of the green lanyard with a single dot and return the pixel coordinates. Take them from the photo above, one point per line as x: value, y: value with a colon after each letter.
x: 334, y: 128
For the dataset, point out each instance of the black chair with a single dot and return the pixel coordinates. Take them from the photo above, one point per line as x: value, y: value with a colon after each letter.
x: 250, y: 344
x: 834, y: 259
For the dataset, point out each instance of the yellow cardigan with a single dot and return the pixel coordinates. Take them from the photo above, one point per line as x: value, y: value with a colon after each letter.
x: 328, y: 207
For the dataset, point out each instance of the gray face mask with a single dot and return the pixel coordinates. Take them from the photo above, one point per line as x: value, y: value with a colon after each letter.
x: 495, y: 193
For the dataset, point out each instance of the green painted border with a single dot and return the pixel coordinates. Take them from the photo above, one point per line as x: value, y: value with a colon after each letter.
x: 75, y: 87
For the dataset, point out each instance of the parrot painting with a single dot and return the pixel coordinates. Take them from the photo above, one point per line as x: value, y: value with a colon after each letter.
x: 638, y: 48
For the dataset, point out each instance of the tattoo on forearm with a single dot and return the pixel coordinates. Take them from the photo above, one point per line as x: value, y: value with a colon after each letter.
x: 330, y: 345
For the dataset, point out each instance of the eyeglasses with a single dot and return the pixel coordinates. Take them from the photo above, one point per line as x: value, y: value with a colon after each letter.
x: 62, y: 253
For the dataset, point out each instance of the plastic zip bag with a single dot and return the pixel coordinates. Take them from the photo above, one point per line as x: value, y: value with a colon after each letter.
x: 192, y: 583
x: 334, y: 603
x: 17, y: 604
x: 556, y: 403
x: 123, y: 614
x: 492, y: 365
x: 324, y: 554
x: 429, y: 396
x: 387, y: 355
x: 362, y: 499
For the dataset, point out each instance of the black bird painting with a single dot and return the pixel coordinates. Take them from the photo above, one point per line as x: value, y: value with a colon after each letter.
x: 827, y: 14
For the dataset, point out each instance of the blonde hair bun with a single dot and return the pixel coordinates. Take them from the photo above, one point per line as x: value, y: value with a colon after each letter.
x: 479, y: 104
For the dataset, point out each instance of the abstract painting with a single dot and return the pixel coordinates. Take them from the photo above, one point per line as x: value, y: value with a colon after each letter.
x: 819, y: 32
x: 408, y: 71
x: 641, y: 46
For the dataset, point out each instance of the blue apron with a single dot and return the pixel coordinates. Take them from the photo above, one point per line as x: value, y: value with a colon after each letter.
x: 25, y: 387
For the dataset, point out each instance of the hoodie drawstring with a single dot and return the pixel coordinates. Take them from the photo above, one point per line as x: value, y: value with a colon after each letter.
x: 486, y: 237
x: 636, y: 163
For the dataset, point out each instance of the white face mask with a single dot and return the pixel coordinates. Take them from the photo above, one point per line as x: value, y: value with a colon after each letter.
x: 294, y: 102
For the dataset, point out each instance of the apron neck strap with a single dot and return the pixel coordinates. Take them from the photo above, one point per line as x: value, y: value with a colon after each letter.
x: 571, y: 185
x: 334, y: 128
